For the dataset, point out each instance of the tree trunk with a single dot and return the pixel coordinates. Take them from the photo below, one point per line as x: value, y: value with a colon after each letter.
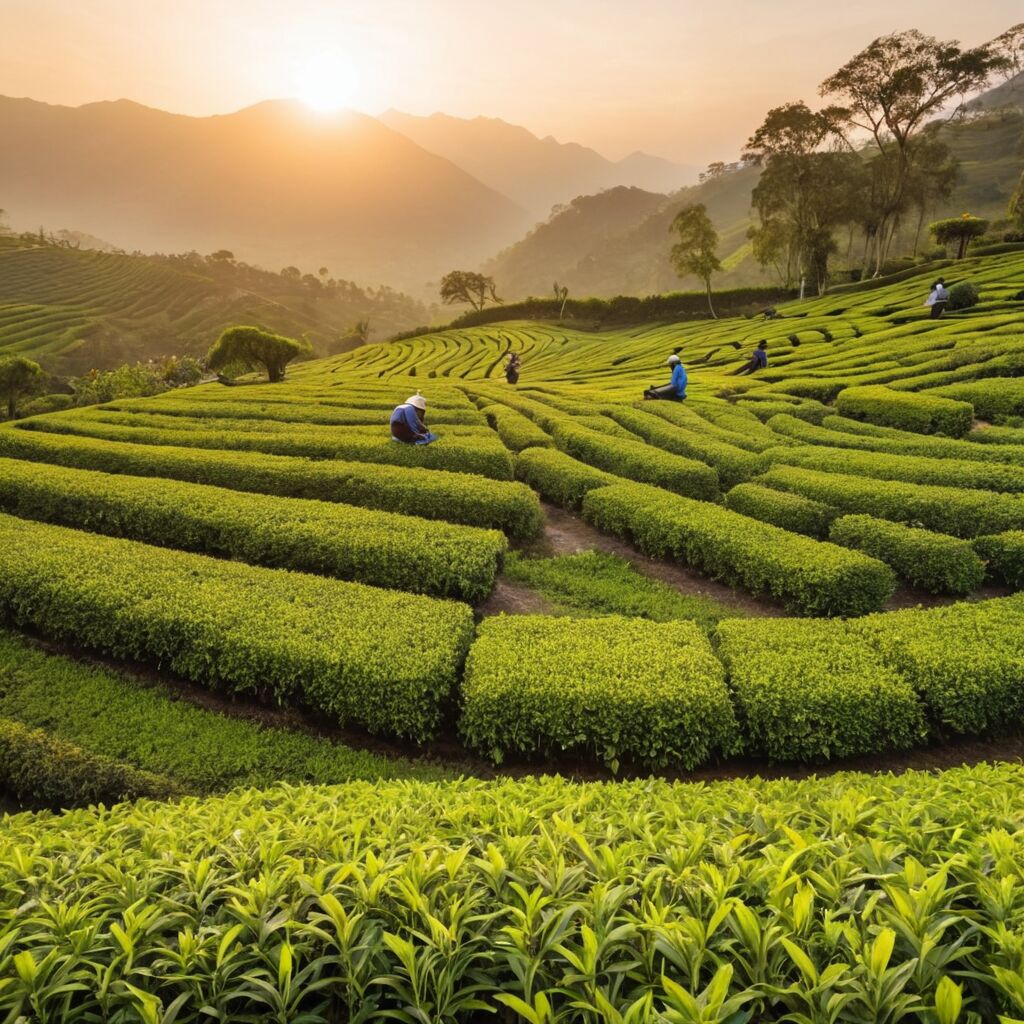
x: 707, y: 285
x: 275, y: 373
x: 12, y: 405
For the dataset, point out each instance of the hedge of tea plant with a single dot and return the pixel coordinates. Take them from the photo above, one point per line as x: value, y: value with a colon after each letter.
x: 379, y: 658
x: 852, y: 898
x: 1003, y: 554
x: 457, y: 497
x: 906, y: 410
x: 991, y: 397
x: 811, y: 689
x: 380, y: 548
x: 559, y: 478
x: 517, y: 432
x: 932, y: 562
x: 780, y: 508
x: 618, y: 689
x: 807, y: 576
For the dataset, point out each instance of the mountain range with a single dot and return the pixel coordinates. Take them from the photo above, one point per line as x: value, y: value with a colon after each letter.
x: 398, y: 199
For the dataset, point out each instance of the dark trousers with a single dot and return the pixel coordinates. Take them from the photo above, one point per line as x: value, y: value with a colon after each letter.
x: 666, y: 392
x: 937, y: 309
x: 747, y: 368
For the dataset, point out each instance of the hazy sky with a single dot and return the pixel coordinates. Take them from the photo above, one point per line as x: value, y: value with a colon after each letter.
x: 680, y: 78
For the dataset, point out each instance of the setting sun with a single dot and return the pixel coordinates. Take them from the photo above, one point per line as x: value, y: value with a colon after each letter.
x: 326, y: 83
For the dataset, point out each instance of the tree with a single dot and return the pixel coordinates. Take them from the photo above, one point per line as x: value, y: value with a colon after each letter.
x: 959, y: 230
x: 469, y: 287
x: 694, y: 253
x: 807, y: 189
x: 1009, y: 48
x: 562, y: 296
x: 251, y: 347
x: 1017, y: 204
x: 891, y: 89
x: 18, y: 377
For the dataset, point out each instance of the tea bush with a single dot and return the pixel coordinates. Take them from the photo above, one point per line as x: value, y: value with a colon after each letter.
x: 622, y: 689
x: 1004, y: 556
x: 780, y: 508
x: 992, y: 397
x: 516, y: 431
x: 558, y: 477
x: 906, y: 410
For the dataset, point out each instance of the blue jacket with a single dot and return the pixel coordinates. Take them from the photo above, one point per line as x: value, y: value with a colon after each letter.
x: 407, y: 414
x: 760, y: 357
x: 679, y: 380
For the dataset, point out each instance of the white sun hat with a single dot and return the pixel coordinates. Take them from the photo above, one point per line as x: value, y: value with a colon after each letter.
x: 417, y: 401
x: 672, y: 360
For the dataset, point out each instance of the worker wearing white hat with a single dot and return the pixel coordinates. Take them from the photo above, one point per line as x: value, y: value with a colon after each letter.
x: 675, y: 390
x: 407, y: 423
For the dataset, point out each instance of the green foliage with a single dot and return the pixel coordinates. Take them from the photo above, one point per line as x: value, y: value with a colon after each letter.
x: 906, y: 410
x: 116, y: 717
x: 811, y: 689
x: 558, y: 477
x: 517, y: 432
x: 140, y: 380
x: 467, y: 286
x: 964, y: 660
x: 636, y: 461
x: 385, y: 660
x: 933, y: 562
x: 958, y: 231
x: 992, y: 397
x: 18, y: 377
x: 624, y: 689
x: 1004, y: 556
x: 963, y: 296
x: 43, y: 771
x: 788, y: 511
x: 693, y: 903
x: 380, y: 548
x: 480, y: 455
x: 962, y: 513
x: 598, y: 583
x: 458, y: 497
x: 694, y: 251
x: 252, y: 348
x: 46, y: 403
x: 808, y: 576
x: 809, y: 409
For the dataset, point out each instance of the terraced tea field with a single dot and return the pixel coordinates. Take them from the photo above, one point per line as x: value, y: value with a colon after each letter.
x: 370, y: 648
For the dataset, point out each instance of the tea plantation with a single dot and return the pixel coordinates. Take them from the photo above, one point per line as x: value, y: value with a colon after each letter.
x: 361, y: 731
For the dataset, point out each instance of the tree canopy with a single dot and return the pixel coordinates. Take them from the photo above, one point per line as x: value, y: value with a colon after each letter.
x: 254, y: 348
x: 694, y: 252
x: 959, y: 231
x: 466, y: 286
x: 18, y: 377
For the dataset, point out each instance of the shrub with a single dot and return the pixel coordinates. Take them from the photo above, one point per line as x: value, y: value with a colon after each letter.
x: 962, y: 513
x: 482, y: 455
x: 516, y: 431
x: 811, y: 411
x: 623, y: 689
x: 457, y: 497
x: 964, y: 660
x: 380, y: 548
x: 963, y: 296
x: 558, y: 477
x: 39, y: 770
x: 808, y: 576
x: 601, y: 584
x: 932, y: 562
x: 1004, y: 555
x: 733, y: 464
x: 45, y: 404
x: 637, y: 461
x: 992, y: 397
x: 252, y: 347
x: 385, y: 660
x: 906, y: 410
x: 19, y: 376
x: 811, y: 689
x: 106, y: 713
x: 780, y: 508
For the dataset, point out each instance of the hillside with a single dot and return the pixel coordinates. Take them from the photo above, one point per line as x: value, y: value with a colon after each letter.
x: 537, y: 173
x: 389, y: 730
x: 78, y: 309
x: 274, y: 183
x: 574, y: 246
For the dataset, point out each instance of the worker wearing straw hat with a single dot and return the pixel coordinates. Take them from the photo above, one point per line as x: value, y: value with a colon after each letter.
x: 407, y: 423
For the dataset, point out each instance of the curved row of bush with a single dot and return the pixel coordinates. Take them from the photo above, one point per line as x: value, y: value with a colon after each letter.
x: 780, y: 508
x: 432, y: 494
x: 807, y: 576
x: 482, y: 455
x: 991, y: 397
x: 385, y: 660
x: 1004, y: 556
x: 113, y: 717
x: 517, y: 432
x: 559, y: 478
x: 380, y: 548
x: 637, y: 461
x: 960, y: 512
x: 906, y: 410
x: 614, y: 688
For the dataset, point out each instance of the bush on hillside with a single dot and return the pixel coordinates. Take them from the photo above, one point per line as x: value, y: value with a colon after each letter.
x: 962, y: 296
x: 253, y: 348
x: 1004, y: 556
x: 906, y: 410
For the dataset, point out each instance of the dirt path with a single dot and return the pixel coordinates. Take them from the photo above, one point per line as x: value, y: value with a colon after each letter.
x: 514, y: 599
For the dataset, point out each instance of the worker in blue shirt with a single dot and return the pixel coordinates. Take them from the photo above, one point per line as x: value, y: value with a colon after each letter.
x: 675, y: 389
x: 758, y: 360
x: 407, y: 423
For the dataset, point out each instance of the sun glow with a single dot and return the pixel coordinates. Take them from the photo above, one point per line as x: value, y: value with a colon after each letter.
x: 325, y: 83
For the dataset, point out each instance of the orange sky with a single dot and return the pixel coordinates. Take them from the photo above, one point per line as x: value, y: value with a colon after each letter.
x: 678, y: 78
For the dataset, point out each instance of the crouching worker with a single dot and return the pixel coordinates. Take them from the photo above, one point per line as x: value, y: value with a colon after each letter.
x: 407, y: 423
x: 675, y: 389
x: 758, y: 360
